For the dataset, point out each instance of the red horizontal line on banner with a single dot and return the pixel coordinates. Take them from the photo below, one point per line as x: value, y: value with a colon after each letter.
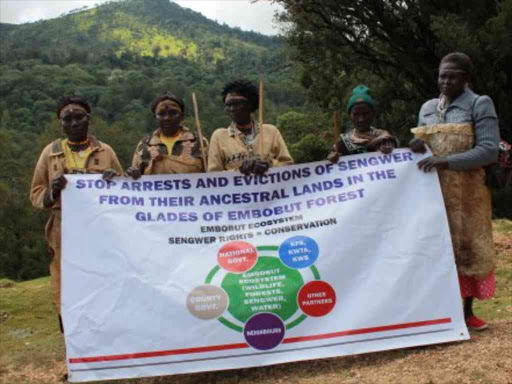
x: 213, y: 348
x: 143, y: 355
x: 366, y: 330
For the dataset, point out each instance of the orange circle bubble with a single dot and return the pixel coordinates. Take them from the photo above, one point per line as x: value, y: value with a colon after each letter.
x: 237, y: 256
x: 316, y: 298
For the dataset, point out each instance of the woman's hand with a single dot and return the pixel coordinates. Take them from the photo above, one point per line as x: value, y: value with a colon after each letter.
x: 52, y: 194
x: 134, y: 173
x: 247, y: 167
x: 417, y: 146
x: 334, y: 156
x: 439, y: 162
x: 260, y: 167
x: 386, y: 147
x: 109, y: 174
x: 254, y: 166
x: 57, y: 185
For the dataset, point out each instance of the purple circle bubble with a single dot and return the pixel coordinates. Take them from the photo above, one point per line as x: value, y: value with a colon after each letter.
x: 264, y: 331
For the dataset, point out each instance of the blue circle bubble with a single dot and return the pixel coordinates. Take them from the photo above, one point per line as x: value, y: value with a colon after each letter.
x: 298, y: 252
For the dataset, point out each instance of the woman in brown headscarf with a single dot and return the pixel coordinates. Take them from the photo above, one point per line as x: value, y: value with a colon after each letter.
x: 172, y: 148
x: 461, y: 128
x: 78, y: 153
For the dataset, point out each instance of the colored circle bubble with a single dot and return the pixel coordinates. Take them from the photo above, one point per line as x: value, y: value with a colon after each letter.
x: 316, y: 298
x: 299, y: 252
x: 264, y: 331
x: 269, y: 286
x: 237, y: 256
x: 207, y: 302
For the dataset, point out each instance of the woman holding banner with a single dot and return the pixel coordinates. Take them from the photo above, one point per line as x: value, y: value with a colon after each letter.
x: 77, y: 154
x: 364, y: 137
x: 461, y: 128
x: 246, y: 145
x: 172, y: 148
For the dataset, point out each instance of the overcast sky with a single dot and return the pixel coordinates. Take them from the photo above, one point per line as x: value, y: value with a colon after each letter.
x: 236, y: 13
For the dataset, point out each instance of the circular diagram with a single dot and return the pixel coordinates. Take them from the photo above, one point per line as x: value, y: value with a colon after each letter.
x: 263, y: 291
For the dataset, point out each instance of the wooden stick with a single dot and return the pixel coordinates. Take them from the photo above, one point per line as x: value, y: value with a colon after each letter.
x: 336, y: 133
x: 261, y: 119
x: 199, y: 133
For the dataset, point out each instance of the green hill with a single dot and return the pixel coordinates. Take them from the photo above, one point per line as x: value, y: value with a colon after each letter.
x: 134, y: 50
x: 120, y: 56
x: 148, y: 28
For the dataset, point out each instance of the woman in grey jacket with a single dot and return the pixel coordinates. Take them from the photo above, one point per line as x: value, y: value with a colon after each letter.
x: 461, y: 128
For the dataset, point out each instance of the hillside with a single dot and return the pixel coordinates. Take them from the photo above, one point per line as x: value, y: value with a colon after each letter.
x: 153, y: 45
x: 120, y: 56
x: 154, y: 28
x: 29, y: 331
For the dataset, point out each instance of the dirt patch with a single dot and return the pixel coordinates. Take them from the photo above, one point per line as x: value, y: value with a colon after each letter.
x: 30, y: 374
x: 20, y: 333
x: 485, y: 359
x: 9, y: 284
x: 503, y: 242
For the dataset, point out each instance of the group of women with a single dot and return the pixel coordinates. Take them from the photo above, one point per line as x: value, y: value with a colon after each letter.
x: 460, y: 127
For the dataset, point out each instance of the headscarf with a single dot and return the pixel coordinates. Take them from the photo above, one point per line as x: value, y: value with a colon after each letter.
x: 72, y: 107
x: 360, y: 94
x: 170, y: 103
x: 232, y: 96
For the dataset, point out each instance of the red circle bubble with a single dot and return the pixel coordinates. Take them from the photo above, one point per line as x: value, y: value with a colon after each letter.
x: 316, y: 298
x: 237, y: 256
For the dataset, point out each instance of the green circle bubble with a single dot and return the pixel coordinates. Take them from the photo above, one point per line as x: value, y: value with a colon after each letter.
x: 269, y: 286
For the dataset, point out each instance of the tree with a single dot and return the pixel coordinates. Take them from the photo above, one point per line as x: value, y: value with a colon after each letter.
x: 394, y: 46
x: 309, y: 148
x: 23, y: 254
x: 309, y: 136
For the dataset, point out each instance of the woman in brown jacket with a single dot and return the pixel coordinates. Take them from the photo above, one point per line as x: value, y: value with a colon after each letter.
x: 245, y: 145
x: 78, y: 153
x: 172, y: 148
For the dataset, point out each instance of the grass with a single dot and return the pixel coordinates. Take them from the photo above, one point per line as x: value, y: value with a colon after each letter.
x: 500, y: 306
x: 28, y: 323
x: 32, y: 348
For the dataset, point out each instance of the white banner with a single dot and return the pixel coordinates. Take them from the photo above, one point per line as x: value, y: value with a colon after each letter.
x: 186, y: 273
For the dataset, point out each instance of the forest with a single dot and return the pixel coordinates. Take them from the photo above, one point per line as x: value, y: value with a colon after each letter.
x: 122, y: 54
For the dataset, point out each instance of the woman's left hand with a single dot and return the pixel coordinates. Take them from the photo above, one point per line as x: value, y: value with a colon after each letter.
x: 109, y: 174
x: 417, y: 145
x: 439, y: 162
x: 386, y: 147
x: 134, y: 173
x: 260, y: 167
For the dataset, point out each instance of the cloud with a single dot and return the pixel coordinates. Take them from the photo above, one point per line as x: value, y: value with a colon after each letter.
x: 24, y: 11
x: 236, y: 13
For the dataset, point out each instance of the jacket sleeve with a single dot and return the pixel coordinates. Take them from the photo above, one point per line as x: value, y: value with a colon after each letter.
x: 487, y: 138
x: 137, y: 159
x: 114, y: 162
x: 141, y: 157
x: 215, y: 158
x: 40, y: 182
x: 206, y: 147
x: 427, y: 113
x: 279, y: 148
